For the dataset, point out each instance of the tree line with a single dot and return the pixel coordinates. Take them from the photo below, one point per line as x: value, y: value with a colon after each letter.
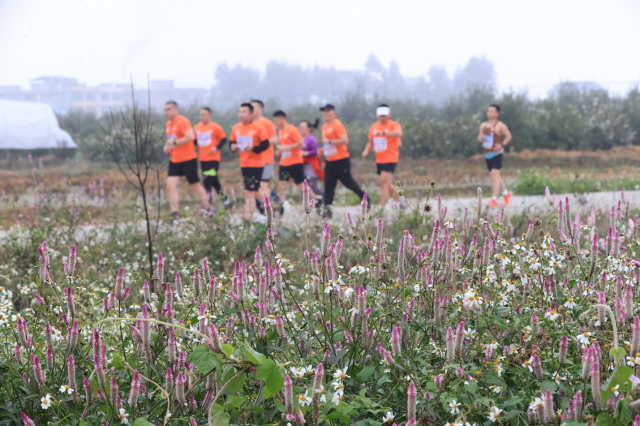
x: 570, y: 119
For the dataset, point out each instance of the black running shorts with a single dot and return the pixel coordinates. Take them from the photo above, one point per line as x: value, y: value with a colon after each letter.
x: 495, y: 162
x: 186, y: 168
x: 386, y: 167
x: 251, y: 177
x: 294, y: 171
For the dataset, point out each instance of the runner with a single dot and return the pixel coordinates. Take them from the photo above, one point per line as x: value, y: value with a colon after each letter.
x: 312, y: 163
x: 384, y: 140
x: 183, y: 161
x: 289, y: 152
x: 338, y: 167
x: 494, y: 135
x: 268, y: 172
x: 250, y: 140
x: 211, y: 138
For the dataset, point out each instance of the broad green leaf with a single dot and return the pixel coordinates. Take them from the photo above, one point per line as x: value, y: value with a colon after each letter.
x: 623, y: 412
x: 252, y: 355
x: 266, y: 393
x: 95, y: 385
x: 218, y: 416
x: 236, y: 385
x: 105, y: 408
x: 228, y: 349
x: 85, y: 424
x: 204, y: 359
x: 513, y: 401
x: 141, y: 421
x: 617, y: 353
x: 117, y: 362
x: 604, y: 419
x: 512, y: 414
x: 548, y: 384
x: 471, y: 387
x: 365, y: 374
x: 272, y: 373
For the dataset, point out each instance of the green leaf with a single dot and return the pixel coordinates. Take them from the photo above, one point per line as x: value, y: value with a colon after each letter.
x: 228, y: 349
x: 266, y: 393
x: 619, y: 376
x: 512, y: 414
x: 604, y: 419
x: 252, y: 355
x: 471, y: 387
x: 218, y: 416
x: 95, y: 385
x: 513, y: 401
x: 272, y: 373
x: 85, y: 424
x: 105, y: 408
x: 548, y: 384
x: 204, y: 359
x: 365, y: 374
x: 236, y: 384
x: 617, y: 353
x: 117, y: 362
x: 141, y: 421
x: 623, y: 412
x: 365, y: 252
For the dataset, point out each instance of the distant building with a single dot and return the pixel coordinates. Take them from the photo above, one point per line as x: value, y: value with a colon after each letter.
x: 66, y: 94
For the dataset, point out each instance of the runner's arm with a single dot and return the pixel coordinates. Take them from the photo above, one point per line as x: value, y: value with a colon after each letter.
x: 221, y: 143
x: 342, y: 140
x: 264, y: 145
x: 367, y: 148
x: 393, y: 133
x: 480, y: 134
x: 291, y: 146
x: 507, y: 135
x: 273, y: 140
x: 188, y: 137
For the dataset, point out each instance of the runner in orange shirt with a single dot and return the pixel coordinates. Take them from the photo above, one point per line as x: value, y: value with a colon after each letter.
x: 338, y: 167
x: 183, y: 161
x: 250, y: 140
x: 494, y: 135
x: 211, y: 138
x: 289, y: 151
x: 268, y: 172
x: 384, y: 140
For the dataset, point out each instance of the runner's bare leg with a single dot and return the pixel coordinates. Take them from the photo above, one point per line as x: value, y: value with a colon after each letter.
x: 172, y: 192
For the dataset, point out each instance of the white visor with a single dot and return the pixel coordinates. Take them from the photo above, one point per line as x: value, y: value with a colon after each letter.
x: 383, y: 110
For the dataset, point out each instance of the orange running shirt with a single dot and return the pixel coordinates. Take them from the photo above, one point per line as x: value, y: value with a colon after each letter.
x: 269, y: 156
x: 334, y: 130
x: 288, y: 136
x: 247, y: 137
x: 177, y: 128
x: 208, y: 136
x: 385, y: 147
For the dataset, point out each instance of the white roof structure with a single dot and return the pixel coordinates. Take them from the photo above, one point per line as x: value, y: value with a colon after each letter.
x: 30, y: 125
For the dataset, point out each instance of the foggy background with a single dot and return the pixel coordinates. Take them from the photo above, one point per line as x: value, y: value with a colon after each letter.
x: 565, y: 73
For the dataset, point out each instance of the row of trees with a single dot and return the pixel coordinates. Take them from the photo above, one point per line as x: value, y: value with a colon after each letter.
x: 571, y: 119
x: 291, y: 85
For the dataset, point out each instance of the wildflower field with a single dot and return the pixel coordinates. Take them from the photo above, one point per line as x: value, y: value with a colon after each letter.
x: 428, y: 317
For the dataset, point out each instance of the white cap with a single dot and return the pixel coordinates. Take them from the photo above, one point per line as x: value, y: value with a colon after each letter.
x: 383, y: 110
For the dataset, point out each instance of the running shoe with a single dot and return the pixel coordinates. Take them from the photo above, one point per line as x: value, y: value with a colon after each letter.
x: 318, y: 202
x: 175, y: 216
x: 275, y: 196
x: 327, y: 213
x: 507, y: 199
x: 493, y: 203
x: 259, y: 207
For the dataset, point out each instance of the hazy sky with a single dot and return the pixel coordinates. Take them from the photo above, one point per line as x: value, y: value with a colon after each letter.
x: 533, y: 44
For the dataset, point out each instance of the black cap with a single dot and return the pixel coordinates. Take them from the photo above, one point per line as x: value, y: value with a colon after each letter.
x: 327, y: 107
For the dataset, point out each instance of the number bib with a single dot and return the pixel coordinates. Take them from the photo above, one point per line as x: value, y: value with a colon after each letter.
x: 286, y: 154
x: 487, y: 143
x: 379, y: 144
x: 204, y: 139
x: 329, y: 150
x: 244, y: 142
